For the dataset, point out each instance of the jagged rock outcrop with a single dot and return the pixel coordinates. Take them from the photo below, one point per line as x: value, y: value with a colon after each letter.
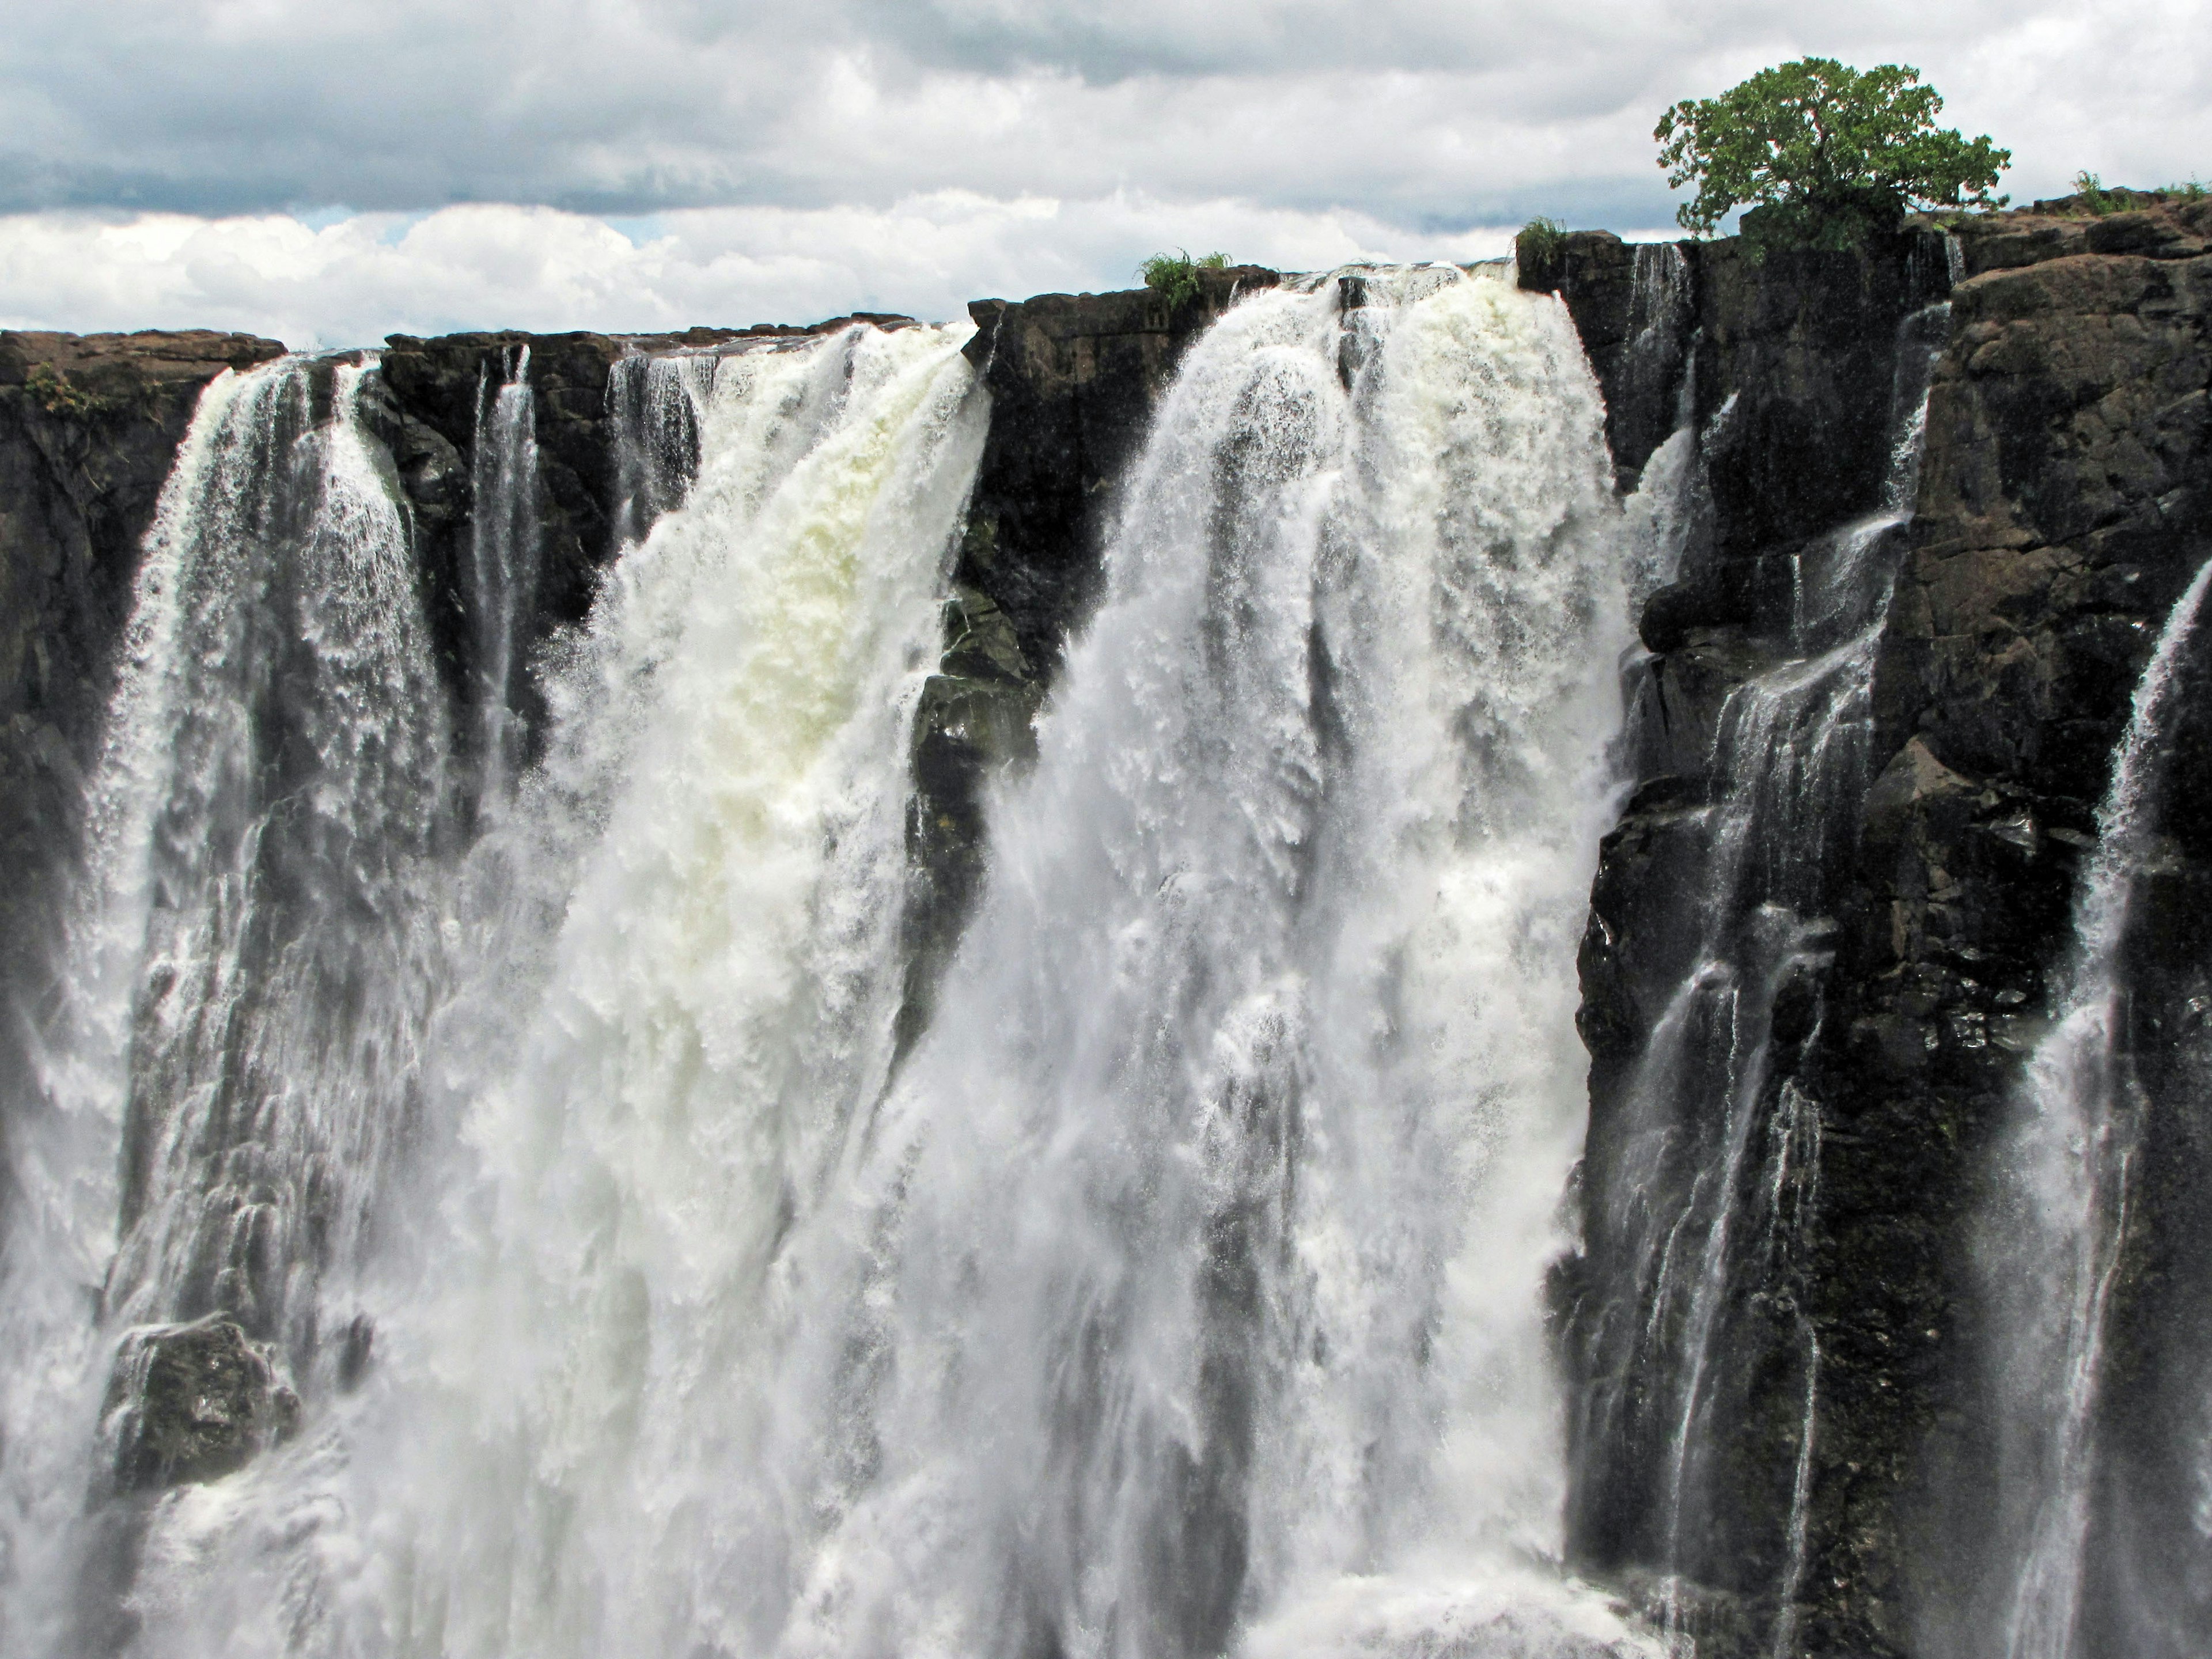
x: 89, y: 427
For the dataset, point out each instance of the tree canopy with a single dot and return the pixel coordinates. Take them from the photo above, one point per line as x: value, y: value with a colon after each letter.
x: 1825, y: 152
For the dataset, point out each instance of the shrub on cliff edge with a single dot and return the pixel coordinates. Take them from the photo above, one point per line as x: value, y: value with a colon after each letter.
x: 1539, y: 243
x: 1823, y: 154
x: 1175, y: 276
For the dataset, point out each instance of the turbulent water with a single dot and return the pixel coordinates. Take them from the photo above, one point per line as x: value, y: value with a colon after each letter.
x: 1179, y: 1290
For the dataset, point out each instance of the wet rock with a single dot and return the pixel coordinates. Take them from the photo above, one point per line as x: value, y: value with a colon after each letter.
x: 2065, y: 501
x: 194, y: 1402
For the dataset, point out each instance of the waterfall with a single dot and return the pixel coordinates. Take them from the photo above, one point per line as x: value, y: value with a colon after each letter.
x: 1181, y: 1289
x: 675, y: 986
x: 503, y: 560
x: 1193, y: 1267
x: 2066, y: 1184
x: 251, y: 953
x: 1719, y: 1160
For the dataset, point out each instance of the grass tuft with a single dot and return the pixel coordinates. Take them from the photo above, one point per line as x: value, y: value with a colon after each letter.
x: 1174, y: 277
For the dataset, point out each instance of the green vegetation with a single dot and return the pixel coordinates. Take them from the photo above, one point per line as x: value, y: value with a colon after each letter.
x: 1175, y: 276
x: 2095, y: 197
x: 1539, y: 243
x: 1822, y: 153
x: 2092, y: 196
x: 57, y: 394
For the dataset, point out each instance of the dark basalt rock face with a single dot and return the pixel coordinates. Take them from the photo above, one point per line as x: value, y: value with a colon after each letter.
x: 2065, y: 505
x: 2062, y: 507
x: 89, y: 427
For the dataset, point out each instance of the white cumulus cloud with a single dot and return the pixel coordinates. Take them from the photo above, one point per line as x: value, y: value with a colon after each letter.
x: 338, y: 168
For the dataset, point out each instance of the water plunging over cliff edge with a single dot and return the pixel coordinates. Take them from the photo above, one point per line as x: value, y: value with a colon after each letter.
x: 1181, y: 1289
x: 252, y: 954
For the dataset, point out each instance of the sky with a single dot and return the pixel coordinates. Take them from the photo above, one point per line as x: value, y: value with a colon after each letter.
x: 327, y: 171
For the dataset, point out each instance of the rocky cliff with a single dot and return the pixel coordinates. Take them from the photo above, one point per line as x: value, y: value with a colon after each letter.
x: 2061, y: 508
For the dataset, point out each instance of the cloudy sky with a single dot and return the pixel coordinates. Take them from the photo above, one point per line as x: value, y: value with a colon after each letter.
x: 330, y: 171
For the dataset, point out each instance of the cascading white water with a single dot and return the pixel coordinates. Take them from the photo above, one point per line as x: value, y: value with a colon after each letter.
x: 1182, y: 1290
x: 2065, y: 1174
x: 286, y: 960
x: 658, y: 404
x: 1193, y: 1276
x: 251, y: 956
x: 503, y: 559
x: 685, y: 934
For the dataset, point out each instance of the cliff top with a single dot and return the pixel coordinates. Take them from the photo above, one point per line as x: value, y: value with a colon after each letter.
x: 153, y: 353
x: 2155, y: 227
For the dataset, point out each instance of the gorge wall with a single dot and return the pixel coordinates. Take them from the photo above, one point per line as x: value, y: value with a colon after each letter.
x: 1868, y: 738
x: 2061, y: 511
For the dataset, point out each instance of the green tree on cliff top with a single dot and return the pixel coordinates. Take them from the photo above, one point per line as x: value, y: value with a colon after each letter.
x: 1824, y: 152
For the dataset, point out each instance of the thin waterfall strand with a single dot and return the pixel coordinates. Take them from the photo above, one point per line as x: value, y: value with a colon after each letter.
x: 2067, y: 1169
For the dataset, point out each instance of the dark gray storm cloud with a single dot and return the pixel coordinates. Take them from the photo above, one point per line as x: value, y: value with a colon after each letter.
x: 1422, y: 112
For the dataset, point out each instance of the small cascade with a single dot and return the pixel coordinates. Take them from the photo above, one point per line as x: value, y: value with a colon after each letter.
x: 1702, y: 1203
x: 658, y: 402
x: 1652, y: 387
x: 503, y: 564
x: 2067, y: 1182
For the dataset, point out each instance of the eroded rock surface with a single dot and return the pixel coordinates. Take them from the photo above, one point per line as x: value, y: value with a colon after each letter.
x: 194, y: 1402
x: 2063, y: 507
